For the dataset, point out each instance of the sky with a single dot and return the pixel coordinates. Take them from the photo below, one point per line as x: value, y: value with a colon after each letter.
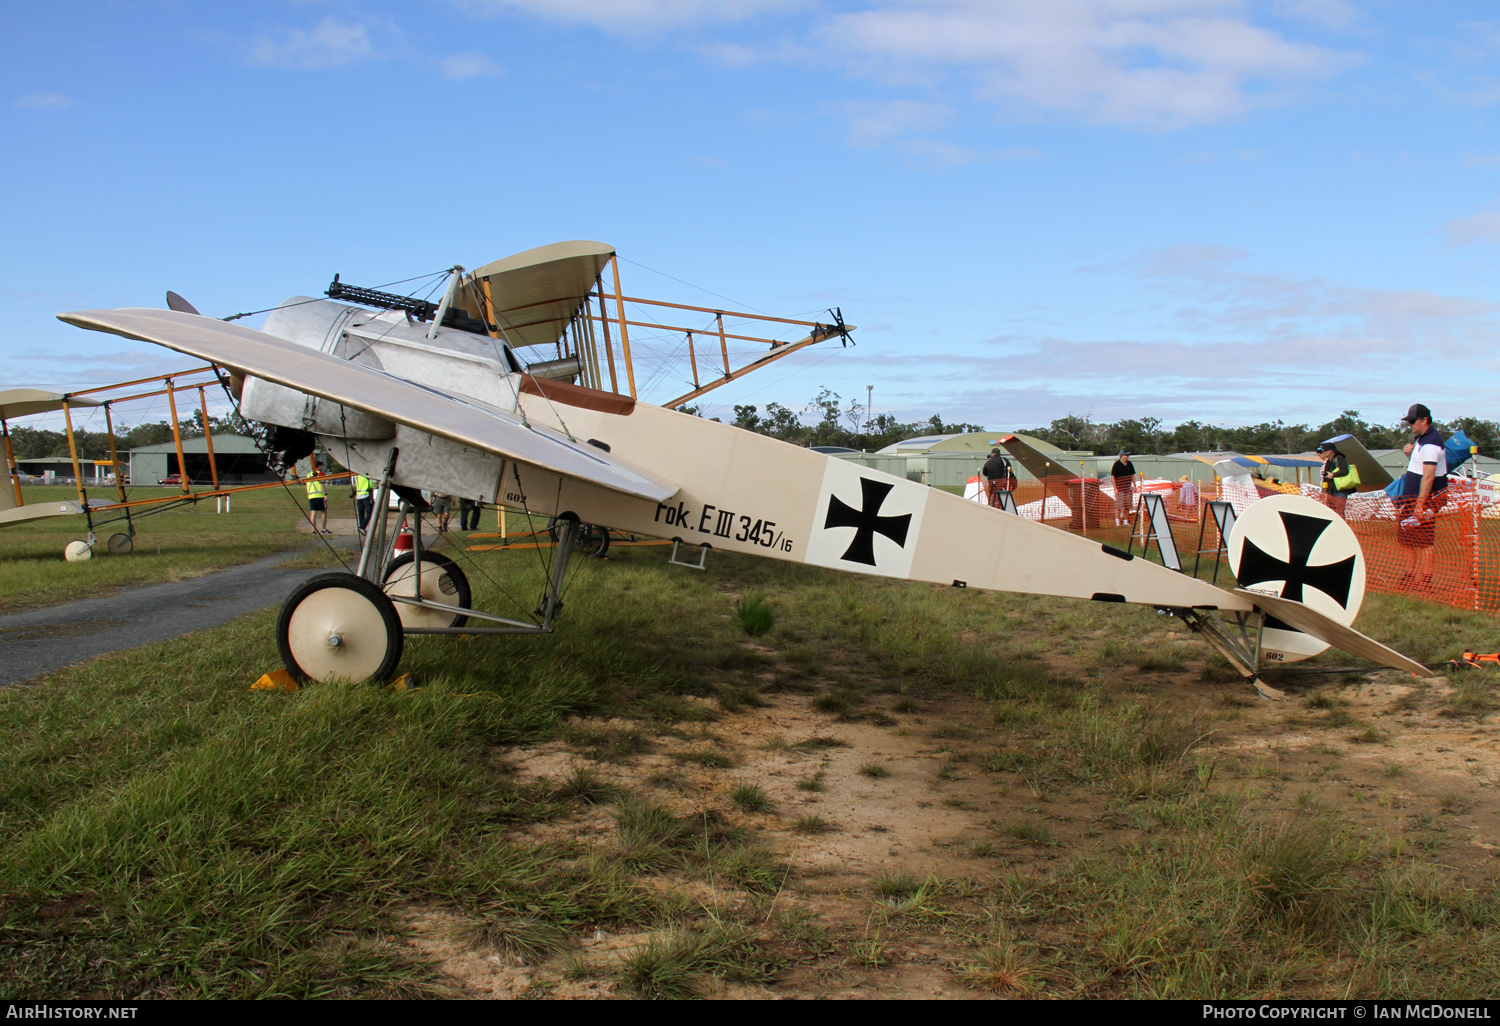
x: 1221, y: 210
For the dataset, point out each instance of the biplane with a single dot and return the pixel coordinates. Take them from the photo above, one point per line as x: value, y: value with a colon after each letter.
x: 441, y: 397
x: 119, y: 513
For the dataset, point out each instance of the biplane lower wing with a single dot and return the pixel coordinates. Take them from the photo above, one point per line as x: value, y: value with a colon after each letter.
x: 39, y: 511
x: 1310, y: 621
x: 467, y: 422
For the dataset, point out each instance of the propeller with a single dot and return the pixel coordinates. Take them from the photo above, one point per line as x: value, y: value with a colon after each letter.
x: 176, y: 302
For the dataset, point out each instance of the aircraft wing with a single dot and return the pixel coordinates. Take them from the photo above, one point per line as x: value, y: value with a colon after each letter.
x: 1038, y: 463
x: 470, y: 423
x: 1310, y: 621
x: 1372, y: 476
x: 38, y: 511
x: 22, y: 402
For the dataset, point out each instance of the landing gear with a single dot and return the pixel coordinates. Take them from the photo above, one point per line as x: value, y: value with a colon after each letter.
x: 120, y: 544
x: 339, y: 626
x: 442, y: 583
x: 588, y: 539
x: 352, y: 626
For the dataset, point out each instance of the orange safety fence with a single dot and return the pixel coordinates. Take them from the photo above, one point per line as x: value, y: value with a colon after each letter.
x: 1456, y: 562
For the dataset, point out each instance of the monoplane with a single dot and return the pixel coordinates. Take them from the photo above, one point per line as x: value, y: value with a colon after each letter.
x: 439, y: 397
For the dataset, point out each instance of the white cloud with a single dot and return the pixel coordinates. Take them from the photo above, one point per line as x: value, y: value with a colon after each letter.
x: 638, y: 15
x: 331, y: 44
x: 1336, y: 14
x: 1234, y: 345
x: 1147, y: 63
x: 874, y: 123
x: 43, y: 101
x: 469, y: 65
x: 1481, y: 227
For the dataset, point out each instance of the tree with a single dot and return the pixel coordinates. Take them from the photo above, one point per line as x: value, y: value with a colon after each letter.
x: 745, y: 417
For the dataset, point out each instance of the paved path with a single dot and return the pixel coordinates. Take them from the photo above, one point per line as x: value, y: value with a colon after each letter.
x: 41, y: 640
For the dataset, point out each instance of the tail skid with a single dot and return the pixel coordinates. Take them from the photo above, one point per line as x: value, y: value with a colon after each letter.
x: 1244, y: 654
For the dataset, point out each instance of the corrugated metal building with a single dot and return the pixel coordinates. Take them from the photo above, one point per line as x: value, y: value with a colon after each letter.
x: 238, y: 459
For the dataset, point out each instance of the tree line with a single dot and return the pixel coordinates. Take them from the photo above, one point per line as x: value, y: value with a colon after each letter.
x: 826, y: 420
x: 1148, y: 436
x: 37, y: 443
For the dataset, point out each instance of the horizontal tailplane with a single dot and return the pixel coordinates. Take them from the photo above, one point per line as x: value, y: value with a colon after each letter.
x: 1310, y: 621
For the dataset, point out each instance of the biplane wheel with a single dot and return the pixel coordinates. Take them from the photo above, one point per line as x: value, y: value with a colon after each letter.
x: 442, y: 581
x: 590, y: 539
x: 593, y: 540
x: 120, y: 544
x: 339, y: 626
x: 78, y: 551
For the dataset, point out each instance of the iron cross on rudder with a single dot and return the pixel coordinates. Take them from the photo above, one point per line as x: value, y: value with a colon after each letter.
x: 867, y: 521
x: 1302, y: 533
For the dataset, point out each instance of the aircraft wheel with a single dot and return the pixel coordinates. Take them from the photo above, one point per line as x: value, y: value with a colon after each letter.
x: 593, y: 541
x: 442, y: 581
x: 339, y: 626
x: 78, y: 551
x: 120, y: 544
x: 588, y: 539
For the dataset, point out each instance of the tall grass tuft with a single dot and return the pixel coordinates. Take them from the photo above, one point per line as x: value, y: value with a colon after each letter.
x: 1296, y: 867
x: 676, y: 965
x: 755, y: 615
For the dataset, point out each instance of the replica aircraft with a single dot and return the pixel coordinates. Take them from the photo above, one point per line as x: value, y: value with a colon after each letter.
x: 416, y: 397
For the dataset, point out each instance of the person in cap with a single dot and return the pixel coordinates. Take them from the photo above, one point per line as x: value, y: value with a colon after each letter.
x: 998, y: 477
x: 1123, y: 473
x: 1339, y: 480
x: 1423, y: 492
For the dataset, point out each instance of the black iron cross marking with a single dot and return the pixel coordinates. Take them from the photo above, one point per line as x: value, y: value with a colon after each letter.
x: 867, y: 521
x: 1302, y: 533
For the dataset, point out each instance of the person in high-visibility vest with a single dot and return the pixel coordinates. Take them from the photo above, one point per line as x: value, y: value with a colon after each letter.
x: 317, y: 506
x: 364, y: 500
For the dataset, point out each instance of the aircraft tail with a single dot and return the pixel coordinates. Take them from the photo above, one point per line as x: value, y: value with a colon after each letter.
x: 1310, y: 621
x: 1037, y: 463
x: 1372, y: 476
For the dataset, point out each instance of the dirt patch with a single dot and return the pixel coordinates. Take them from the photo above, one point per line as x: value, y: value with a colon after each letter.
x: 892, y: 822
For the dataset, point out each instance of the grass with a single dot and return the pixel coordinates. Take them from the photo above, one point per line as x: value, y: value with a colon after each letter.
x: 755, y: 615
x: 681, y: 963
x: 169, y: 545
x: 1032, y: 830
x: 751, y: 798
x: 706, y: 757
x: 164, y: 832
x: 813, y: 783
x: 811, y: 824
x: 875, y: 770
x: 842, y: 702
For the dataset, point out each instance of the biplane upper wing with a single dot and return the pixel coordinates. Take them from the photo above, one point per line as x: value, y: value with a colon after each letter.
x: 1310, y: 621
x: 23, y: 402
x: 471, y: 423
